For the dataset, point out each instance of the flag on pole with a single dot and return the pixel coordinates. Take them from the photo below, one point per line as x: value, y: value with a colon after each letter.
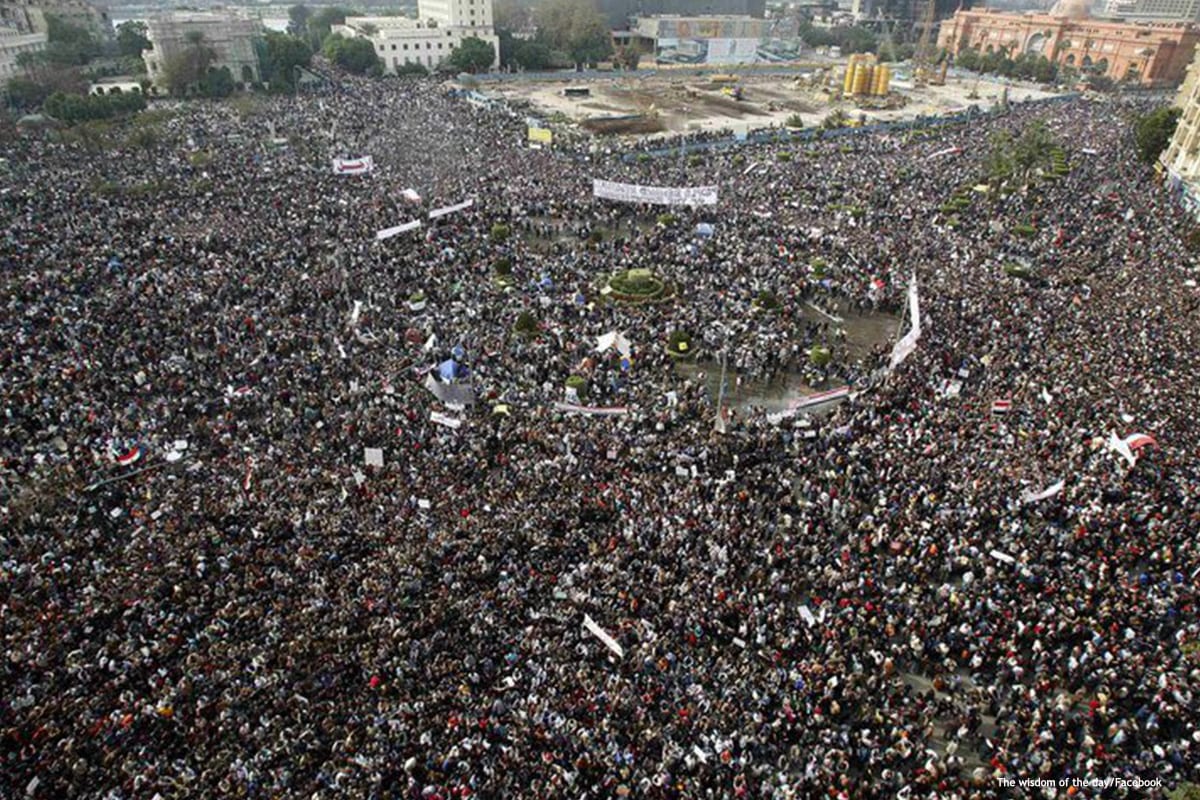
x: 130, y: 456
x: 1049, y: 491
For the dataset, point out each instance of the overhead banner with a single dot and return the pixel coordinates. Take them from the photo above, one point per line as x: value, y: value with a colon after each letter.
x: 353, y: 166
x: 441, y: 212
x: 388, y: 233
x: 655, y: 195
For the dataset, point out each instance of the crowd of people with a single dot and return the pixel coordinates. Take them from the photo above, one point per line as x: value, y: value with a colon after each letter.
x: 205, y: 590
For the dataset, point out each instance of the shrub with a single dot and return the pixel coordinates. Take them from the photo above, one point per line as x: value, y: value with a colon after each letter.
x: 416, y: 297
x: 596, y: 237
x: 785, y: 156
x: 1018, y: 271
x: 639, y: 286
x: 739, y: 159
x: 500, y: 233
x: 666, y: 220
x: 642, y: 158
x: 767, y: 299
x: 819, y: 355
x: 695, y: 160
x: 1025, y: 229
x: 503, y: 266
x: 525, y: 325
x: 579, y: 384
x: 680, y: 343
x: 795, y: 121
x: 818, y: 268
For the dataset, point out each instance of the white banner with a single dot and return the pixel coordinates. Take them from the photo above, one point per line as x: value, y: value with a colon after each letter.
x: 388, y: 233
x: 1049, y: 491
x: 657, y: 195
x: 600, y: 634
x: 445, y: 419
x: 353, y: 166
x: 605, y: 411
x: 444, y: 210
x: 908, y: 343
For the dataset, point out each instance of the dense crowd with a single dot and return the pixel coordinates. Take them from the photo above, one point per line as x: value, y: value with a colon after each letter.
x: 864, y: 604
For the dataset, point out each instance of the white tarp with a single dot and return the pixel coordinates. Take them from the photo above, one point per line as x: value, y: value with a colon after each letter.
x: 656, y: 195
x: 373, y: 456
x: 613, y: 339
x: 600, y: 634
x: 444, y: 210
x: 388, y: 233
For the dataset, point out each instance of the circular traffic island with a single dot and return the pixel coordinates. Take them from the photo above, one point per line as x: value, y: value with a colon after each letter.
x: 634, y: 286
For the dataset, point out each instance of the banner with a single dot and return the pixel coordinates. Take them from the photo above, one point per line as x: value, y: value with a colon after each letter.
x: 441, y: 212
x: 353, y: 166
x: 445, y: 419
x: 908, y: 343
x: 949, y: 151
x: 540, y: 135
x: 388, y: 233
x: 810, y: 401
x: 609, y: 411
x: 656, y: 195
x: 1049, y: 491
x: 411, y: 196
x: 600, y: 634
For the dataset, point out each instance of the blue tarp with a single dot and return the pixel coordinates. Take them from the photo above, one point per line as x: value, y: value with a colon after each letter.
x: 451, y: 370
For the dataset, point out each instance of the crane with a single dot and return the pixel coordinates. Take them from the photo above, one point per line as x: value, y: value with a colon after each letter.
x: 923, y: 58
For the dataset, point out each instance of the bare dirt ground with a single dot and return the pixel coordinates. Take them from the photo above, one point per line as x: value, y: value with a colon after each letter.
x: 689, y: 102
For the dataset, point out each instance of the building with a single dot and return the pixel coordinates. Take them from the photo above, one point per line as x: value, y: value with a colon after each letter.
x: 30, y: 16
x: 229, y: 34
x: 619, y: 12
x: 1154, y: 10
x: 12, y: 45
x: 1150, y: 54
x: 701, y: 40
x: 429, y: 40
x: 1181, y: 159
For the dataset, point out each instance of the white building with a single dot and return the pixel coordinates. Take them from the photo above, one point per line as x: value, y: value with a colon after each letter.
x: 1154, y: 10
x: 429, y: 40
x: 229, y: 34
x: 12, y: 45
x: 1181, y: 159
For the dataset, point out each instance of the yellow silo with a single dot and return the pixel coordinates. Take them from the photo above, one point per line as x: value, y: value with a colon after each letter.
x: 862, y: 79
x: 848, y: 84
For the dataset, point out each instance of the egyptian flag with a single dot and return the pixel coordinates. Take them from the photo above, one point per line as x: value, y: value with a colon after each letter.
x: 1002, y: 406
x: 130, y: 456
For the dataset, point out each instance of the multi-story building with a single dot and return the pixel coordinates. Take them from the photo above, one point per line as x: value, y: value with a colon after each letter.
x: 1181, y: 159
x: 701, y: 40
x: 619, y: 12
x: 441, y: 26
x: 1154, y: 10
x: 1150, y: 54
x: 12, y: 44
x: 229, y: 34
x: 30, y: 16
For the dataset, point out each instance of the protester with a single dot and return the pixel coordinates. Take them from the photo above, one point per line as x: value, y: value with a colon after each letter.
x: 865, y: 604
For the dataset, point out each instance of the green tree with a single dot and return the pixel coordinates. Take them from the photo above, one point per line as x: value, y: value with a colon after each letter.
x: 321, y: 24
x: 132, y: 39
x: 532, y: 55
x: 472, y: 55
x: 576, y: 28
x: 298, y: 16
x: 353, y: 55
x: 186, y: 69
x: 68, y: 44
x: 218, y: 83
x: 279, y: 57
x: 1152, y: 132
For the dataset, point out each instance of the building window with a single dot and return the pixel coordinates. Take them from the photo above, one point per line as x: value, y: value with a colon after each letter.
x: 406, y: 47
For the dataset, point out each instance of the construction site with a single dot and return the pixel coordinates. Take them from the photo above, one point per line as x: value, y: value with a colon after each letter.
x: 670, y: 102
x: 854, y: 91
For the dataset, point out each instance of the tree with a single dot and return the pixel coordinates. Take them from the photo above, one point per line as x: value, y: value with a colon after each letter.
x: 576, y: 28
x: 218, y: 83
x: 353, y: 55
x: 472, y: 55
x: 298, y: 16
x: 280, y: 55
x: 132, y: 39
x: 68, y: 44
x: 532, y: 55
x: 321, y: 24
x: 412, y: 68
x: 1152, y: 132
x: 25, y: 94
x: 187, y: 68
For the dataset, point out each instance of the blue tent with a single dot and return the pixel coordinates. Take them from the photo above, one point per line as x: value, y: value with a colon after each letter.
x: 458, y: 352
x: 451, y: 370
x: 704, y: 229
